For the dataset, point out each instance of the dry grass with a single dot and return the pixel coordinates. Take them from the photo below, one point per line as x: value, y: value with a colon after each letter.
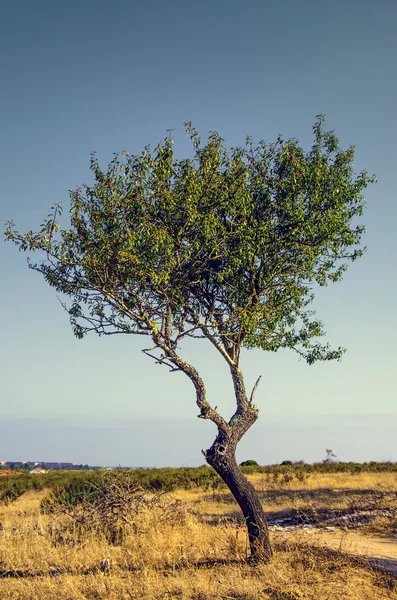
x: 187, y: 559
x: 317, y: 495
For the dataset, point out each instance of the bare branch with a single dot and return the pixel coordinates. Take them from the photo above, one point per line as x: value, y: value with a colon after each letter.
x: 188, y: 333
x: 160, y: 360
x: 254, y: 389
x: 213, y: 340
x: 206, y: 410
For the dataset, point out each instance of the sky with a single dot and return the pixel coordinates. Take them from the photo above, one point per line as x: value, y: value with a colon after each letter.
x: 78, y: 77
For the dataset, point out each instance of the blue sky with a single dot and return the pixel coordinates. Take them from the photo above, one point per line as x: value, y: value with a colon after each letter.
x: 78, y: 77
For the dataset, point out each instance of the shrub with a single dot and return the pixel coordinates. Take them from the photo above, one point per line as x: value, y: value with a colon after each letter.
x: 112, y: 506
x: 249, y: 463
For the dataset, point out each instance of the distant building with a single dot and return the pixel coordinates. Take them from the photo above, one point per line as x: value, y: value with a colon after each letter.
x: 56, y: 465
x: 38, y: 471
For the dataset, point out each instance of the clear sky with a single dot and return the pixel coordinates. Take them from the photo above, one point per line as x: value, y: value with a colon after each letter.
x: 112, y: 76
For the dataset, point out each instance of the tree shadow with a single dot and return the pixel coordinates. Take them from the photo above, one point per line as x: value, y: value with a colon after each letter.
x: 315, y: 506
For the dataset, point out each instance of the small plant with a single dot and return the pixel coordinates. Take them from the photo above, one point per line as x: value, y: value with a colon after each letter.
x: 276, y: 476
x: 301, y: 475
x: 287, y: 477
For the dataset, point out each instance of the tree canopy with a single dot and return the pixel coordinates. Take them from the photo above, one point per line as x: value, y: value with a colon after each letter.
x: 227, y: 244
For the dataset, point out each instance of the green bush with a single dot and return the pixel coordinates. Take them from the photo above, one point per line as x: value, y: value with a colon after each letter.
x: 249, y: 463
x: 71, y: 487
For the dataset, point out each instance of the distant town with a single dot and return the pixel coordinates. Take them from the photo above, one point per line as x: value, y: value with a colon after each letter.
x: 45, y: 466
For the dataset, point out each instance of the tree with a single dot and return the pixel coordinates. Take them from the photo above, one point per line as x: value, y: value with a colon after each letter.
x: 330, y: 456
x: 225, y: 245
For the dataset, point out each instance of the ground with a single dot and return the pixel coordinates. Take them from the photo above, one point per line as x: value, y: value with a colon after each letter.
x: 321, y: 529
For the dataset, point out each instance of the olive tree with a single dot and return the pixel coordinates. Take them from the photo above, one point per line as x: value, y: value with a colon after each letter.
x: 227, y: 245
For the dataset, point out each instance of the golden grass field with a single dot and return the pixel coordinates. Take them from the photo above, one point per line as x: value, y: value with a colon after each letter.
x: 43, y: 557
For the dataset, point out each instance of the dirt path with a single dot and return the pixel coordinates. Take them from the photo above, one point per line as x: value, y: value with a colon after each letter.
x: 381, y: 552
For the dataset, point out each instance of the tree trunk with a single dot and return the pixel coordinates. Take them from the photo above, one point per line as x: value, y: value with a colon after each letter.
x: 221, y: 456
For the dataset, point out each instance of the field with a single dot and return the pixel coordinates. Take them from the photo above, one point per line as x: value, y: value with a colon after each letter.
x: 79, y: 536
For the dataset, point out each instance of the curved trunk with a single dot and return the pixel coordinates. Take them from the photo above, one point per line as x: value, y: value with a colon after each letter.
x: 221, y: 456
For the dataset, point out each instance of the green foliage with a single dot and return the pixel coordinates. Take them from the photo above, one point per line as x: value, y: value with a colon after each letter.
x: 78, y: 487
x: 12, y: 486
x: 324, y: 467
x: 70, y: 488
x: 287, y: 463
x: 225, y: 245
x: 249, y: 463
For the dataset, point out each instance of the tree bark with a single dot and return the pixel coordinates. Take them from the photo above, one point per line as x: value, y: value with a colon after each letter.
x: 221, y: 456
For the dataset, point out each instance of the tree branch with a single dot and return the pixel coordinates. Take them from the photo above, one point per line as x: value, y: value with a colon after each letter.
x: 254, y: 389
x: 159, y: 360
x: 206, y: 410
